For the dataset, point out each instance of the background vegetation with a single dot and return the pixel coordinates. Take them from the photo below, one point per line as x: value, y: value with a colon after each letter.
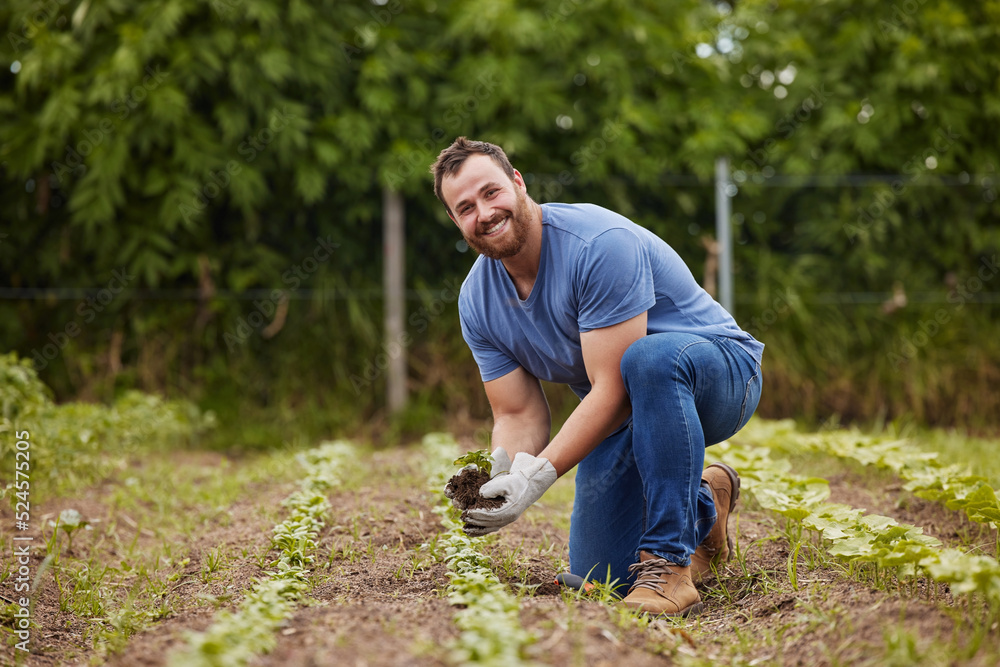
x: 168, y: 164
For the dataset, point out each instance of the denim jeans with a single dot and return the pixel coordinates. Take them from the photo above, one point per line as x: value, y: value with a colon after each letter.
x: 641, y: 488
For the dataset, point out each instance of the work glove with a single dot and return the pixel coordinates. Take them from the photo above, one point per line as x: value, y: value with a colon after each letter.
x: 501, y: 464
x: 529, y: 478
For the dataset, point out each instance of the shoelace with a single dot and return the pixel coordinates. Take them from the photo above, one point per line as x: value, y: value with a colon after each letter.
x: 649, y: 573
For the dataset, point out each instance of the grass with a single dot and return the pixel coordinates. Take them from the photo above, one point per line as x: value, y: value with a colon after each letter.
x: 169, y: 497
x: 214, y: 561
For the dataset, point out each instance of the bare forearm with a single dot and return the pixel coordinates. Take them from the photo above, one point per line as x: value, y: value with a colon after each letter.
x: 522, y: 433
x: 598, y: 414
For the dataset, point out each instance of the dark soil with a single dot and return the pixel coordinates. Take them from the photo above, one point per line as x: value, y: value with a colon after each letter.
x: 466, y: 485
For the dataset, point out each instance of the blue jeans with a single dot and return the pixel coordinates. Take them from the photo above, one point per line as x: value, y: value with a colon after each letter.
x: 640, y: 489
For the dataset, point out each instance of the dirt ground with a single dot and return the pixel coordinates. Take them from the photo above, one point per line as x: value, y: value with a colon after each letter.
x: 377, y: 596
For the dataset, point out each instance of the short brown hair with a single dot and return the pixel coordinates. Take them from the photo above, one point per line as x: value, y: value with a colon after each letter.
x: 451, y: 159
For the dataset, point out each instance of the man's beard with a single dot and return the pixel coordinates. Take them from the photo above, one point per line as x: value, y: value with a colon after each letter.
x: 512, y: 239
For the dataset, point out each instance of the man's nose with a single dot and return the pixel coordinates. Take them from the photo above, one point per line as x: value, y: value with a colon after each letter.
x: 484, y: 212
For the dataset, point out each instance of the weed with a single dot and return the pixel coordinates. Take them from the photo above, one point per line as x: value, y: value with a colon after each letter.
x: 260, y: 556
x: 509, y: 563
x: 214, y: 561
x: 87, y: 597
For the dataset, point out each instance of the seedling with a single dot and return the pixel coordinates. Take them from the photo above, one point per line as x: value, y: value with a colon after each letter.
x: 480, y: 458
x: 70, y: 521
x: 214, y: 561
x: 466, y: 483
x: 894, y: 552
x: 510, y: 563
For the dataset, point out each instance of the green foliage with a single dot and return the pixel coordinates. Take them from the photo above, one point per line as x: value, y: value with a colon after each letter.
x: 480, y: 458
x: 20, y: 389
x: 886, y: 91
x: 77, y: 444
x: 246, y: 130
x: 954, y: 486
x: 855, y: 537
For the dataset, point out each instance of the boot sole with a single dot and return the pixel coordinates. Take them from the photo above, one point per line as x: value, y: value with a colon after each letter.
x: 734, y: 479
x: 693, y: 610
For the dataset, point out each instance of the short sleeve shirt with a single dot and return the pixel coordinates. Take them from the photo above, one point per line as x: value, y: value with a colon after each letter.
x: 597, y: 269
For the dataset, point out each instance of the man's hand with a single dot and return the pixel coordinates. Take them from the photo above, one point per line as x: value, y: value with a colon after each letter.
x: 501, y: 464
x: 529, y: 478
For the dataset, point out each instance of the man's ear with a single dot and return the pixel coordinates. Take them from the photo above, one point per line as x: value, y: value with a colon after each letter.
x: 519, y: 181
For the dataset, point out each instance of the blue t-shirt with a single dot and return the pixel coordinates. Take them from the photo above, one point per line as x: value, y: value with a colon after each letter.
x: 597, y: 268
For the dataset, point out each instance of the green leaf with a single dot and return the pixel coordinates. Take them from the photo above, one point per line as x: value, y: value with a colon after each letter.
x: 480, y: 458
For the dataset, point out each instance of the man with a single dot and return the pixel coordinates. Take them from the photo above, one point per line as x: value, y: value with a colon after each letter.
x: 579, y: 295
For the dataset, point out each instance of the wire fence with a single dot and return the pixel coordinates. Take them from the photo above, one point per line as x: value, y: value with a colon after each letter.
x: 728, y: 183
x: 375, y: 294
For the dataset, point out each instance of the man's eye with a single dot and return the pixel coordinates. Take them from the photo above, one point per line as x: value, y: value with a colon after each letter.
x: 491, y: 193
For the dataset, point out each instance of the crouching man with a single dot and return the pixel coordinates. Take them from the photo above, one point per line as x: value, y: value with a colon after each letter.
x: 577, y: 294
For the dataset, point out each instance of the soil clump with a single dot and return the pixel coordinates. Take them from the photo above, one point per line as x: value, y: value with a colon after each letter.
x: 466, y: 485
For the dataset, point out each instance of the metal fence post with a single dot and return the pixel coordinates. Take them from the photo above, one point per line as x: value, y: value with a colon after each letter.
x: 723, y: 232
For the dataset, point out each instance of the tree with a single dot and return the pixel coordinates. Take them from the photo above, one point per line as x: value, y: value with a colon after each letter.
x: 230, y: 145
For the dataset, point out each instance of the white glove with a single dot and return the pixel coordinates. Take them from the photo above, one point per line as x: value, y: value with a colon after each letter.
x: 529, y: 478
x: 501, y: 464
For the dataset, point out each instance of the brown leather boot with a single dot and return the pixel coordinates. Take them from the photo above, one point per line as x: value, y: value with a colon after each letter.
x: 718, y: 546
x: 662, y: 588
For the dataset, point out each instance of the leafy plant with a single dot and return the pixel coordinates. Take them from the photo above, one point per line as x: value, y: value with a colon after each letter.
x: 954, y: 486
x: 85, y: 443
x: 479, y: 458
x: 70, y: 521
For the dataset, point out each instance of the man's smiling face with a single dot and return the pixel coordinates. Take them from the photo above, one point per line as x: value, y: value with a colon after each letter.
x: 490, y: 209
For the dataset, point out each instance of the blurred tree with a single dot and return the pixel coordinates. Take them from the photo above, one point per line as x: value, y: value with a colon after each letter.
x: 877, y: 175
x: 234, y: 144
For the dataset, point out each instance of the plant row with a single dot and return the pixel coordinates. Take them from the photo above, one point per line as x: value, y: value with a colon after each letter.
x: 489, y: 616
x: 954, y: 486
x: 236, y: 638
x: 853, y: 536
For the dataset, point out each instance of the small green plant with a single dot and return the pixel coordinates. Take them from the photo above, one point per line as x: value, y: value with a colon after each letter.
x: 214, y: 561
x: 480, y: 458
x: 509, y: 562
x: 261, y: 557
x: 70, y: 521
